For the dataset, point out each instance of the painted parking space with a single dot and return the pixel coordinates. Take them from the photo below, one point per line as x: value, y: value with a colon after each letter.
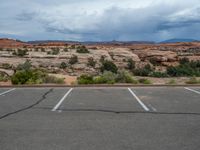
x: 169, y: 100
x: 102, y: 99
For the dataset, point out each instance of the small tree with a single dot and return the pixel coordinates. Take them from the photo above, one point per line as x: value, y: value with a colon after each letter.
x: 73, y: 60
x: 109, y: 66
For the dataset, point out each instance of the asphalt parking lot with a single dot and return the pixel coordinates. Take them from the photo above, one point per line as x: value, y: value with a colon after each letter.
x: 112, y: 118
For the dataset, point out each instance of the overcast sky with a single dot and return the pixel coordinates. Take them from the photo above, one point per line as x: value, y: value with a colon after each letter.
x: 100, y: 20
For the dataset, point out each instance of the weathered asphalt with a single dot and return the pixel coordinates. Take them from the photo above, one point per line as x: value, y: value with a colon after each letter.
x: 100, y: 119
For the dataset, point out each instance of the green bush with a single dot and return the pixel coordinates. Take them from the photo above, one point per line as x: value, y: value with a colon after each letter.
x: 144, y: 81
x: 82, y: 49
x: 85, y: 79
x: 184, y: 61
x: 63, y: 65
x: 52, y: 79
x: 125, y: 77
x: 186, y: 68
x: 193, y: 80
x: 25, y: 66
x: 91, y: 62
x: 20, y: 52
x: 172, y: 81
x: 34, y: 77
x: 130, y: 64
x: 3, y: 77
x: 55, y: 51
x: 108, y: 66
x: 159, y: 74
x: 106, y: 78
x: 73, y: 60
x: 146, y: 71
x: 65, y: 49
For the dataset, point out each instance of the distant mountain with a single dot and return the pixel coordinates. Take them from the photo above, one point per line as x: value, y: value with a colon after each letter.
x: 178, y: 40
x: 93, y: 42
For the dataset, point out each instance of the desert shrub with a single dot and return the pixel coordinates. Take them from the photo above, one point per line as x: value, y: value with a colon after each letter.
x: 73, y: 60
x: 73, y: 47
x: 144, y: 81
x: 186, y: 68
x: 42, y: 49
x: 21, y: 77
x: 65, y: 49
x: 48, y: 53
x: 53, y: 79
x: 125, y: 77
x: 55, y: 51
x: 172, y: 81
x: 85, y: 79
x: 106, y: 78
x: 6, y: 66
x: 25, y: 66
x: 108, y: 66
x: 102, y: 59
x: 159, y: 74
x: 154, y: 62
x: 91, y: 62
x: 184, y: 61
x: 20, y: 52
x: 193, y: 80
x: 82, y: 49
x: 130, y: 64
x: 3, y: 77
x: 34, y: 77
x: 63, y: 65
x: 1, y: 49
x: 143, y: 71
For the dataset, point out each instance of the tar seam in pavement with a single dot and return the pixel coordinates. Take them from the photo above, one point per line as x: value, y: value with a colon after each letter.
x: 28, y: 107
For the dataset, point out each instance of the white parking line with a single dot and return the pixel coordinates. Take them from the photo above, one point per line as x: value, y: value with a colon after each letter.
x: 62, y: 99
x: 7, y: 91
x: 139, y: 101
x: 192, y: 90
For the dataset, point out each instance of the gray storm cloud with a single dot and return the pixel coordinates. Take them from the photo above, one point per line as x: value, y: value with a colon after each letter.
x: 100, y: 21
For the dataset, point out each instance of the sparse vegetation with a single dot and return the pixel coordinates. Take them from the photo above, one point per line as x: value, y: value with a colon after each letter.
x: 20, y: 52
x: 130, y: 64
x: 172, y: 81
x: 65, y: 49
x: 193, y: 80
x: 91, y: 62
x: 185, y: 69
x: 146, y: 71
x: 3, y: 77
x: 82, y: 49
x: 144, y: 81
x: 55, y: 51
x: 125, y: 77
x: 6, y: 66
x: 73, y: 60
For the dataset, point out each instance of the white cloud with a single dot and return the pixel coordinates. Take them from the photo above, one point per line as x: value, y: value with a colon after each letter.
x: 100, y: 19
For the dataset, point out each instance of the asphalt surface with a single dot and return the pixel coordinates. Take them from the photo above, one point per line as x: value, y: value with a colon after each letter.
x: 140, y: 118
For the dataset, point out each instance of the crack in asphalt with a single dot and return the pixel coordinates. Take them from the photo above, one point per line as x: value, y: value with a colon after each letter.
x: 122, y: 112
x: 28, y: 107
